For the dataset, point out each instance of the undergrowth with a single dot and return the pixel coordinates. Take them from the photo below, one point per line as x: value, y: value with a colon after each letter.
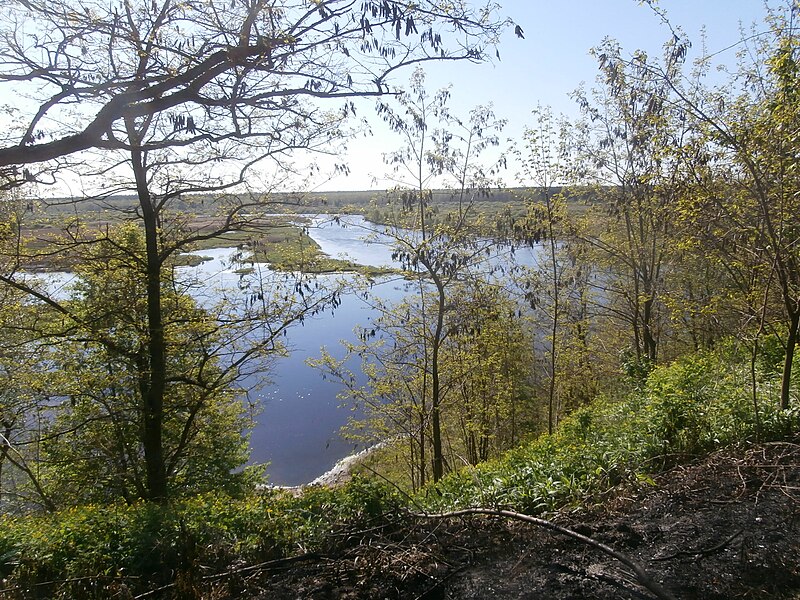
x: 121, y: 550
x: 678, y: 411
x: 686, y: 409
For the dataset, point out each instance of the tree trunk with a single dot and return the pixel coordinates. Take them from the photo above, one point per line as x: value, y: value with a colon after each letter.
x: 436, y: 429
x: 153, y: 392
x: 650, y: 342
x: 551, y: 390
x: 791, y: 343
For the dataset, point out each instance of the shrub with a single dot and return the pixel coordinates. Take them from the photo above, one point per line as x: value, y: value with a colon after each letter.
x: 92, y: 551
x: 695, y: 404
x: 699, y: 402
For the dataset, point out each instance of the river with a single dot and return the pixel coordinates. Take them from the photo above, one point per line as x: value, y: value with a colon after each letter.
x: 297, y: 429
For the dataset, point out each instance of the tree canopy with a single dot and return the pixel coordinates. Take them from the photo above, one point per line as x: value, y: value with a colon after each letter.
x: 167, y: 99
x: 210, y: 73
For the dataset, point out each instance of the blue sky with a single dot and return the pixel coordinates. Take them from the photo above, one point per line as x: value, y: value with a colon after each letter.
x: 554, y: 59
x: 544, y: 68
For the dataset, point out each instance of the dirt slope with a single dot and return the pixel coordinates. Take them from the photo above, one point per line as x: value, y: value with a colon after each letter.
x: 726, y: 527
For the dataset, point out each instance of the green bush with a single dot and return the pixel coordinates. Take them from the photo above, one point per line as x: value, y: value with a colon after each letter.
x: 700, y: 402
x: 144, y: 545
x: 691, y: 406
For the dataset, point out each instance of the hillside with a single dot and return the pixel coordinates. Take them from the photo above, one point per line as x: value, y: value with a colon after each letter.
x: 724, y: 527
x: 667, y: 474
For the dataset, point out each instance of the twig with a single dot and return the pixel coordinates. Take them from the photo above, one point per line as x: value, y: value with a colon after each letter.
x: 70, y: 580
x: 793, y: 445
x: 152, y: 592
x: 259, y: 567
x: 703, y: 551
x: 642, y: 576
x: 278, y: 562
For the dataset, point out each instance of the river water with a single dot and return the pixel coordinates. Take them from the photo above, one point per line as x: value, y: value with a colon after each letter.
x: 297, y: 429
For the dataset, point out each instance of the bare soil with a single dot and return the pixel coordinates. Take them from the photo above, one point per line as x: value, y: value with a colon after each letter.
x: 725, y: 527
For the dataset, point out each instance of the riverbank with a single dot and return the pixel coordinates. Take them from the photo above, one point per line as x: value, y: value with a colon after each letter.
x: 338, y: 475
x: 281, y: 241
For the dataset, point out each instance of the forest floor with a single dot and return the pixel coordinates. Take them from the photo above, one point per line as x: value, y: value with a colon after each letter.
x: 724, y: 527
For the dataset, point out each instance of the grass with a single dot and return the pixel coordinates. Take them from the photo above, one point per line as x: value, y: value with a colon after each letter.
x: 288, y: 247
x: 280, y: 241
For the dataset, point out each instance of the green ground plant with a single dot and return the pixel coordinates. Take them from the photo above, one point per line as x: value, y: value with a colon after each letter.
x: 96, y: 551
x: 680, y: 412
x: 687, y: 408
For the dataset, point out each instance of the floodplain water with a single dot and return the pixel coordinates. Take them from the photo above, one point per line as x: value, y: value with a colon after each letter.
x: 300, y: 415
x: 297, y: 430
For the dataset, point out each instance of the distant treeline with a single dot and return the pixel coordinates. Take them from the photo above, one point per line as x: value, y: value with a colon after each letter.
x: 294, y: 201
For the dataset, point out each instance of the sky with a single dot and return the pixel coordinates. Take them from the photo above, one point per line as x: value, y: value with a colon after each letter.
x: 542, y: 69
x: 551, y: 62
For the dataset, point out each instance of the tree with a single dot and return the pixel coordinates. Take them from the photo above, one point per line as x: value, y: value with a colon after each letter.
x: 487, y: 360
x: 390, y: 389
x: 436, y: 249
x: 17, y: 360
x: 557, y: 287
x: 632, y: 154
x: 757, y: 136
x: 484, y: 378
x: 740, y: 196
x: 435, y: 242
x: 90, y: 372
x: 174, y: 98
x: 18, y: 407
